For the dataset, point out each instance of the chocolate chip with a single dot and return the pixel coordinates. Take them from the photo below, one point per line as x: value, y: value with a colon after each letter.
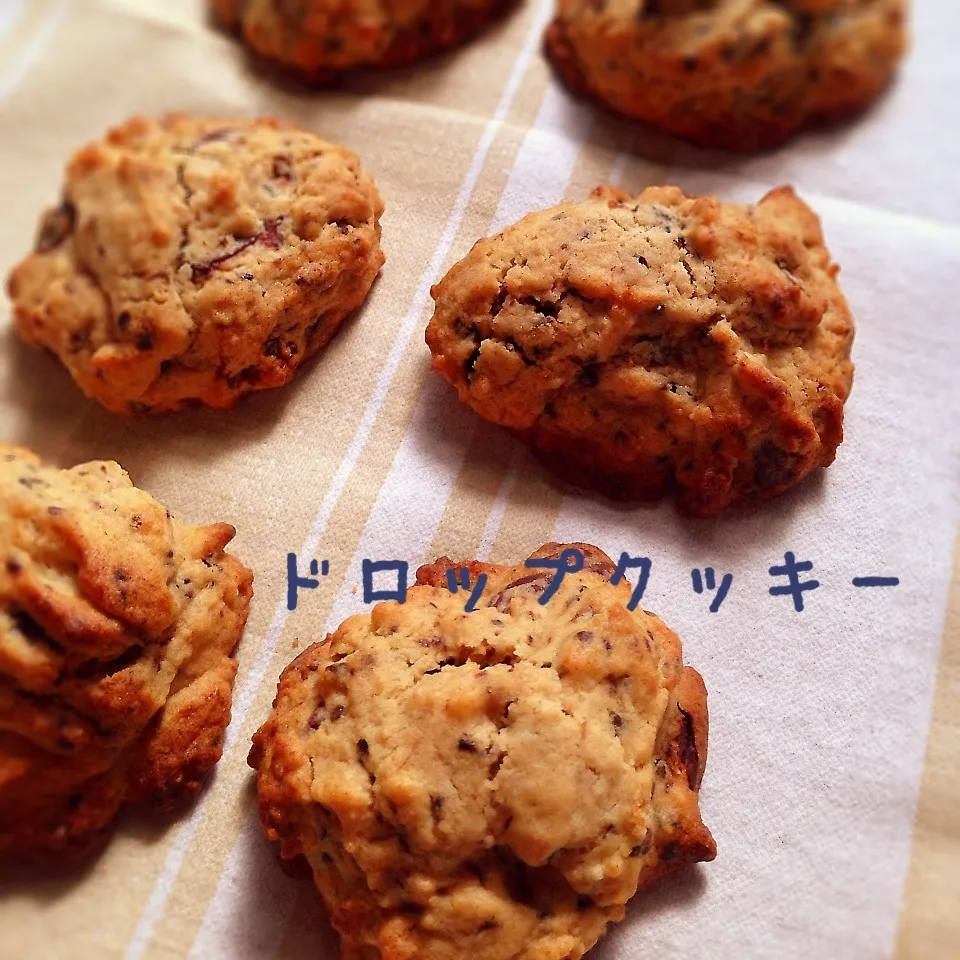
x: 687, y: 749
x: 802, y: 29
x: 467, y: 745
x: 79, y: 340
x: 644, y: 846
x: 56, y: 226
x: 773, y: 467
x: 534, y: 585
x: 590, y: 376
x: 248, y: 375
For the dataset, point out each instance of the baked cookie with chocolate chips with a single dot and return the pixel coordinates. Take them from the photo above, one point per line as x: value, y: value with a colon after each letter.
x: 117, y: 631
x: 736, y: 74
x: 495, y: 783
x: 192, y: 261
x: 643, y: 344
x: 320, y: 39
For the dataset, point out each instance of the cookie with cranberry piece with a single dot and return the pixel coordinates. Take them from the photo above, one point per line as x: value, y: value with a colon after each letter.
x: 495, y: 782
x: 193, y: 261
x: 736, y: 74
x: 659, y: 342
x: 117, y: 631
x: 320, y: 39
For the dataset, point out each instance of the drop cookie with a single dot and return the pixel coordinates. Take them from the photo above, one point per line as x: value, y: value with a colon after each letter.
x: 736, y: 74
x: 117, y: 631
x: 656, y: 343
x: 193, y: 261
x: 496, y: 783
x: 321, y: 39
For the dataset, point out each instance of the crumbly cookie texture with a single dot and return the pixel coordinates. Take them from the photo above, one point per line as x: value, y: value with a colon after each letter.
x: 117, y: 628
x: 494, y: 784
x: 643, y: 344
x: 192, y: 261
x: 320, y: 39
x: 737, y: 74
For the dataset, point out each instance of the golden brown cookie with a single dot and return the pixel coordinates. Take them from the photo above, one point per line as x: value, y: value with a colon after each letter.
x: 192, y: 261
x: 320, y: 39
x: 644, y: 343
x: 494, y: 784
x: 117, y: 628
x: 738, y: 74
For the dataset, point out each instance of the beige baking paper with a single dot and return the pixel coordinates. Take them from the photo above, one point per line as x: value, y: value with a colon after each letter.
x: 831, y: 784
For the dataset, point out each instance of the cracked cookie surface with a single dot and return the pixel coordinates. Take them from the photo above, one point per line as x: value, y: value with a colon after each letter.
x: 117, y: 629
x: 320, y: 39
x: 659, y: 342
x: 193, y: 261
x: 496, y: 783
x: 737, y: 74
